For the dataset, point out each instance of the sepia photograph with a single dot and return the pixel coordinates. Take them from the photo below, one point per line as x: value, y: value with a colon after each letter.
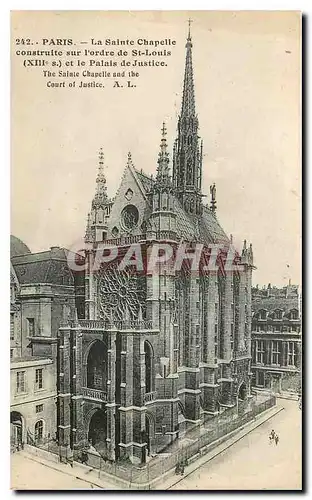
x: 155, y: 250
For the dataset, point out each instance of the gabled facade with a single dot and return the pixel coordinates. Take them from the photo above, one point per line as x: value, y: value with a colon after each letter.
x: 157, y: 352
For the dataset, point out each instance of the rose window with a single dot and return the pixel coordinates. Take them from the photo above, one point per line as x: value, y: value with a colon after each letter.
x: 121, y: 294
x: 130, y: 217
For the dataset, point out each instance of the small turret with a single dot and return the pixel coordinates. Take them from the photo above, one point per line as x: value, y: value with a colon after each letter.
x: 162, y: 176
x: 161, y: 196
x: 100, y: 199
x: 96, y: 229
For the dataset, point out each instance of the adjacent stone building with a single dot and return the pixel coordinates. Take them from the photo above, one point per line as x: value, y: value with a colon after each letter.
x: 157, y: 351
x: 276, y: 339
x: 42, y: 292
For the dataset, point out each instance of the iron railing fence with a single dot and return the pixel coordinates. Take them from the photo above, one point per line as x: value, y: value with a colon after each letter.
x: 195, y: 441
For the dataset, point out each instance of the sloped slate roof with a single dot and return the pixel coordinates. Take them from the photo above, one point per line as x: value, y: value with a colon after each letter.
x: 17, y: 247
x: 271, y: 304
x: 190, y: 227
x: 146, y: 181
x: 44, y: 267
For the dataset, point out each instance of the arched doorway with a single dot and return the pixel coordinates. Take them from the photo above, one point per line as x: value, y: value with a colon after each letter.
x: 242, y: 392
x: 17, y: 428
x: 97, y: 366
x: 148, y: 350
x: 98, y: 431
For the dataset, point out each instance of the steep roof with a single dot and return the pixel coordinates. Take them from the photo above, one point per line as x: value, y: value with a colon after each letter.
x: 146, y: 181
x: 204, y: 228
x: 49, y: 267
x: 18, y: 247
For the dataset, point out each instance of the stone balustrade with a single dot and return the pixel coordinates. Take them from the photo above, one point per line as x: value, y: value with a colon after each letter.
x: 150, y: 396
x: 95, y: 394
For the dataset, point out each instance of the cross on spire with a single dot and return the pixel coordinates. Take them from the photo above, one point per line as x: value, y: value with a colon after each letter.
x: 188, y: 100
x: 189, y: 26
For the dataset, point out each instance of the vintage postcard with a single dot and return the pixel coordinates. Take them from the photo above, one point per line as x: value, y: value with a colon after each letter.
x: 155, y: 286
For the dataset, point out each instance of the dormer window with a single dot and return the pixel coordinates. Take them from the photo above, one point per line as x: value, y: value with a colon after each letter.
x: 262, y: 314
x: 278, y: 314
x: 294, y: 314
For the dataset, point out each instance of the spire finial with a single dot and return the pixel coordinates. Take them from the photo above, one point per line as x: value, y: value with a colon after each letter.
x: 88, y: 235
x: 101, y: 156
x: 129, y: 161
x: 213, y: 202
x: 188, y: 99
x: 100, y: 176
x: 189, y: 28
x: 162, y: 176
x: 164, y: 130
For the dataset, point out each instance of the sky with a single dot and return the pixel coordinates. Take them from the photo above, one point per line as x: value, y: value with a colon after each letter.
x: 247, y: 89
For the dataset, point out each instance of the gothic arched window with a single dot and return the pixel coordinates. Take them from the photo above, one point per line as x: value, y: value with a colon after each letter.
x: 39, y: 431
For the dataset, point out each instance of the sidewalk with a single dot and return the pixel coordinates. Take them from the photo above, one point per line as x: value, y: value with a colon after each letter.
x: 78, y: 471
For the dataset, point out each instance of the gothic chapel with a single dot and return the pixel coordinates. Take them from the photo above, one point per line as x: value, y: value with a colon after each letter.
x: 150, y: 356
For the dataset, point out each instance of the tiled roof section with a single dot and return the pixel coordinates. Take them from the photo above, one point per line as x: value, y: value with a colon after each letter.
x: 205, y: 229
x: 211, y: 227
x: 146, y: 181
x: 270, y: 304
x: 49, y: 267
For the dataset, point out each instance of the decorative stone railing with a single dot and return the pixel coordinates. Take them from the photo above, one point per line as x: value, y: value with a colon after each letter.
x: 124, y: 240
x: 96, y: 394
x: 98, y: 324
x: 149, y: 396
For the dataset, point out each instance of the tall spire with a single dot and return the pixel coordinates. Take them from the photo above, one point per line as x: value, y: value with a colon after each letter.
x: 187, y: 152
x: 188, y: 100
x: 100, y: 197
x: 162, y: 176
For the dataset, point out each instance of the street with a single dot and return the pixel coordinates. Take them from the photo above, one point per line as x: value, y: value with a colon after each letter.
x: 252, y: 463
x: 27, y: 474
